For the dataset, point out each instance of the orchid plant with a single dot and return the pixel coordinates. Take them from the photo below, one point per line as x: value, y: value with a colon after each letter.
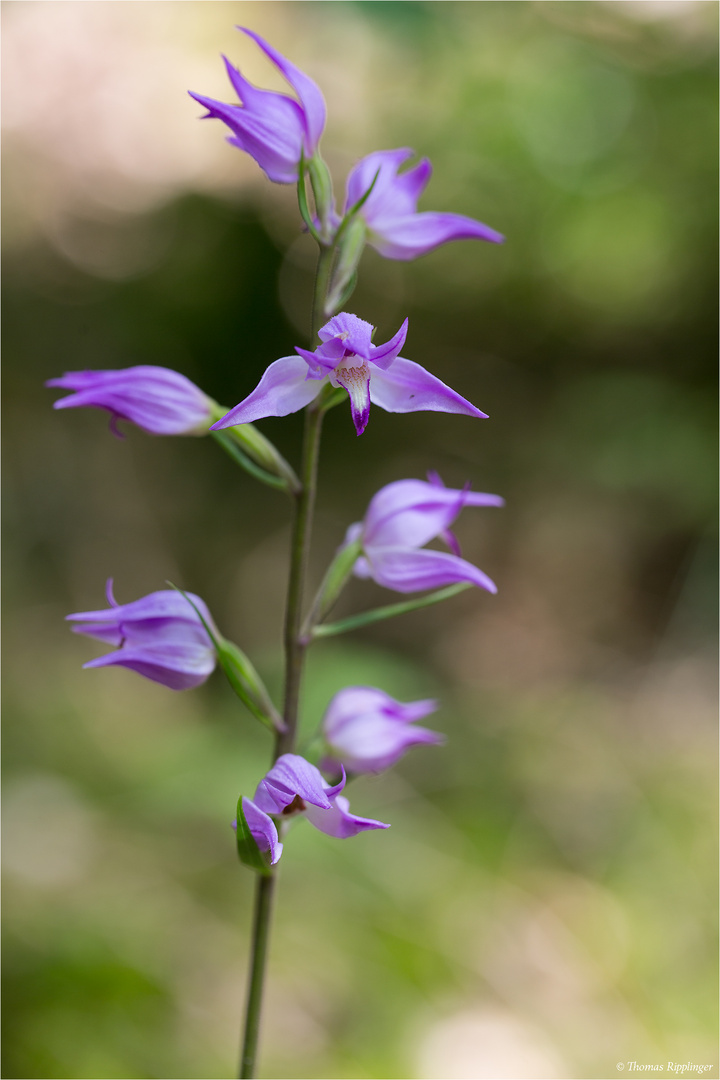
x: 170, y: 636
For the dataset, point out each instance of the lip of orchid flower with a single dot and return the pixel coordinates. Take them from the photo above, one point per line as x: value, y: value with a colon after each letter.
x: 347, y: 358
x: 395, y: 226
x: 367, y: 730
x: 159, y: 636
x: 156, y: 399
x: 404, y: 516
x: 275, y: 129
x: 294, y: 786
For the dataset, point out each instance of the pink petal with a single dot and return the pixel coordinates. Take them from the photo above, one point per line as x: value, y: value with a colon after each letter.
x: 311, y: 99
x: 263, y: 830
x: 407, y: 570
x: 409, y: 513
x: 292, y: 776
x: 391, y: 194
x: 408, y: 387
x: 383, y: 355
x: 339, y: 822
x: 283, y: 389
x: 356, y: 380
x: 355, y: 333
x: 176, y: 665
x: 407, y: 237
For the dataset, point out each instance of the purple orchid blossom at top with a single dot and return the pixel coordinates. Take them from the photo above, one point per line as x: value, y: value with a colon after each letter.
x: 395, y: 228
x: 159, y: 636
x: 294, y: 786
x: 157, y: 399
x: 401, y: 518
x: 367, y: 731
x: 347, y: 358
x: 273, y: 128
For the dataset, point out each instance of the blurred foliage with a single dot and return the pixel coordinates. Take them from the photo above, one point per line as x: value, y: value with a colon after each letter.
x: 544, y: 903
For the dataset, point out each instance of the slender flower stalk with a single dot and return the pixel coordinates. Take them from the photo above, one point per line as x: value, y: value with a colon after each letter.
x: 295, y: 647
x: 262, y: 917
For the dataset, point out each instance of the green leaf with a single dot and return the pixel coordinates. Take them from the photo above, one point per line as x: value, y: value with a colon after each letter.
x: 354, y: 622
x: 250, y: 854
x: 364, y: 198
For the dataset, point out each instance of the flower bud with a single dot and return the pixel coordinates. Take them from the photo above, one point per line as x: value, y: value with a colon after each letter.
x: 162, y: 636
x: 156, y: 399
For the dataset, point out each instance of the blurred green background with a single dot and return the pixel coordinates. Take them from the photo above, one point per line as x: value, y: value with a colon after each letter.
x: 544, y: 903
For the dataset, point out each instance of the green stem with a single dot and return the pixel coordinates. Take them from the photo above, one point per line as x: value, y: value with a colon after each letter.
x: 295, y: 647
x: 260, y: 937
x: 322, y: 285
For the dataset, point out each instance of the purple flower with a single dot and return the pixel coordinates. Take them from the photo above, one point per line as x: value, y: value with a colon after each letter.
x: 395, y: 227
x: 273, y: 128
x: 400, y: 519
x: 160, y: 636
x: 158, y: 400
x: 294, y: 786
x: 367, y: 730
x: 347, y: 358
